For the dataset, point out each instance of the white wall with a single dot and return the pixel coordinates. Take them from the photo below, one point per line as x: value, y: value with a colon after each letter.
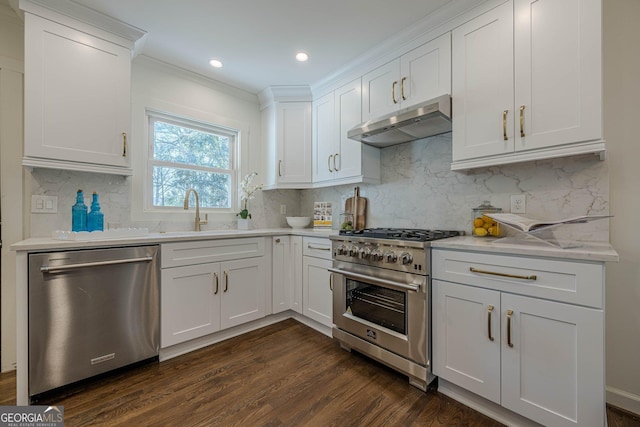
x: 11, y: 175
x: 621, y: 114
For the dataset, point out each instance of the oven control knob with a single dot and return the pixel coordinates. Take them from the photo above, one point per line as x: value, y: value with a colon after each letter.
x: 376, y: 255
x: 390, y: 257
x: 406, y: 258
x: 353, y: 251
x: 341, y: 250
x: 364, y: 253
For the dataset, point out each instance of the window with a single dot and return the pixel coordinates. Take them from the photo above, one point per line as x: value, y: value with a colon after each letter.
x: 188, y: 154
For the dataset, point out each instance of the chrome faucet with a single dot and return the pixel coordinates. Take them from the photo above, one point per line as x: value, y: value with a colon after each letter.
x: 186, y: 207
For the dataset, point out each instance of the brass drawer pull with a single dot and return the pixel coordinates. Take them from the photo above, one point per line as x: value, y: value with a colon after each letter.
x: 522, y: 121
x: 318, y: 248
x: 215, y: 275
x: 494, y: 273
x: 490, y: 309
x: 509, y: 314
x: 402, y: 88
x: 226, y: 281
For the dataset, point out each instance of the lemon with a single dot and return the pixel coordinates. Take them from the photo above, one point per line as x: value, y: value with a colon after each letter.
x: 480, y: 231
x: 478, y: 222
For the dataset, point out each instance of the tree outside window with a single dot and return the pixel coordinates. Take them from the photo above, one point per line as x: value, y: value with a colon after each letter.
x: 188, y: 154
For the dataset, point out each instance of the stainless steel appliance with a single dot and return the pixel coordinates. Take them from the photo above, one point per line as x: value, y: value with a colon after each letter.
x: 381, y: 296
x: 426, y: 119
x: 91, y: 311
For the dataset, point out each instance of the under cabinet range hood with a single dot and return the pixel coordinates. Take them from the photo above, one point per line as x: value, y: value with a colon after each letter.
x: 426, y: 119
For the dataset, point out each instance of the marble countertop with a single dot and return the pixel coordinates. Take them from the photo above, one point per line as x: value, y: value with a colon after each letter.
x: 50, y: 244
x: 587, y: 251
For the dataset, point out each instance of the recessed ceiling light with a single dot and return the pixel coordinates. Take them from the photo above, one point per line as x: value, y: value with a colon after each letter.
x: 215, y: 63
x: 301, y: 56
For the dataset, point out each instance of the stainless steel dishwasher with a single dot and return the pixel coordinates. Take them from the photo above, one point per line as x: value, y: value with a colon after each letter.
x: 91, y: 311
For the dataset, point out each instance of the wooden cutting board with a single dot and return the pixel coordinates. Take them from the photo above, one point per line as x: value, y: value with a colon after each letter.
x: 357, y: 206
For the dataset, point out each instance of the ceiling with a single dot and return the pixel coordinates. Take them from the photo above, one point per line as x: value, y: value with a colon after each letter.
x: 257, y: 39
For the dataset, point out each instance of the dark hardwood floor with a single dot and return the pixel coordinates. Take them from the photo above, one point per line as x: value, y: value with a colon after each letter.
x: 283, y: 375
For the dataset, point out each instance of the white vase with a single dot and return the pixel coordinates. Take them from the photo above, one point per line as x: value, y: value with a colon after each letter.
x: 245, y: 224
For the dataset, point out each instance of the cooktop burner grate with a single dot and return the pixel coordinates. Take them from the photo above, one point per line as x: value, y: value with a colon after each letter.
x: 409, y: 234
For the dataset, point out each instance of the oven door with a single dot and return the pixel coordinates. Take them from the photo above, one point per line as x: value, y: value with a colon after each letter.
x: 386, y: 308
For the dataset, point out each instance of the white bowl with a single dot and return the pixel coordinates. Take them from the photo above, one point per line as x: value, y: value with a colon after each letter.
x: 298, y: 221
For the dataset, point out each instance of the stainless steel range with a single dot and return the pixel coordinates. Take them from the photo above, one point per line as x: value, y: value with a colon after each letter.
x: 381, y: 296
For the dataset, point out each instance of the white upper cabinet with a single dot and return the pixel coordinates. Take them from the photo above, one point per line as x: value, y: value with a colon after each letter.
x: 77, y: 98
x: 286, y: 129
x: 419, y: 75
x: 527, y: 83
x: 336, y: 158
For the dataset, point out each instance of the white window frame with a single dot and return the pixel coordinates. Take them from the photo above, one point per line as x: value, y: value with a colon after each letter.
x: 232, y: 134
x: 140, y: 188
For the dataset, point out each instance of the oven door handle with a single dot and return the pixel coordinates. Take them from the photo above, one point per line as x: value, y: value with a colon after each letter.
x: 376, y: 281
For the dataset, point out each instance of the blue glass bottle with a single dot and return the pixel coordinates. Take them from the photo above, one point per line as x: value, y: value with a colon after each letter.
x: 95, y: 219
x: 79, y: 213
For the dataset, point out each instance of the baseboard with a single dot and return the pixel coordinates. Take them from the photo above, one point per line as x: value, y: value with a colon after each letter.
x: 484, y: 406
x: 623, y: 399
x: 326, y: 330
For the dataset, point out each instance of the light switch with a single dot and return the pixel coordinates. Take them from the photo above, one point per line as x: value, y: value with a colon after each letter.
x: 44, y: 204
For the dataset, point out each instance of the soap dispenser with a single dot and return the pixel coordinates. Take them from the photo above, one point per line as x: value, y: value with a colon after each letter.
x: 95, y: 219
x: 79, y: 213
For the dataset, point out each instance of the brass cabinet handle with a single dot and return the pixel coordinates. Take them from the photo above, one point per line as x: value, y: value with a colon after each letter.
x: 215, y: 275
x: 319, y: 248
x: 494, y: 273
x: 329, y: 163
x: 522, y: 121
x: 226, y: 281
x: 335, y: 168
x: 331, y: 282
x: 124, y: 144
x: 490, y: 309
x: 509, y: 314
x: 402, y: 88
x: 393, y: 92
x: 504, y: 125
x: 279, y: 167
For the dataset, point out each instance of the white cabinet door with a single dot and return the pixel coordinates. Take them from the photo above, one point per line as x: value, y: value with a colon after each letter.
x: 293, y: 130
x: 466, y: 337
x: 243, y: 285
x: 281, y: 274
x: 558, y: 85
x: 77, y: 97
x: 426, y: 72
x: 190, y: 303
x: 553, y: 373
x: 381, y: 91
x: 295, y: 263
x: 324, y: 139
x: 482, y: 85
x: 348, y: 113
x: 317, y: 293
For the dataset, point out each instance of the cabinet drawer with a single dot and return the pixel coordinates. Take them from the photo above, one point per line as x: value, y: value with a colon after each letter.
x: 190, y: 253
x: 319, y: 247
x: 566, y: 281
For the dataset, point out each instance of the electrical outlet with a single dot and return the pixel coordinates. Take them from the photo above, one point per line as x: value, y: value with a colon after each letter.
x: 518, y: 203
x: 283, y: 209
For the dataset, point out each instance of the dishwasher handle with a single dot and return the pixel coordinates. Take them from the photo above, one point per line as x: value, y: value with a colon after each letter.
x: 56, y: 268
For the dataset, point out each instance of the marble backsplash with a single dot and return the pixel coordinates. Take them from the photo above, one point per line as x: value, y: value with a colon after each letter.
x: 418, y: 190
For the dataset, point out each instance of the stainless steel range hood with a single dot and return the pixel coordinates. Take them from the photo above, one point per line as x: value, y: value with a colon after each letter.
x: 420, y: 121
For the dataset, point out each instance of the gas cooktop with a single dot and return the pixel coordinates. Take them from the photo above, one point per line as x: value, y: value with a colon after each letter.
x: 407, y: 234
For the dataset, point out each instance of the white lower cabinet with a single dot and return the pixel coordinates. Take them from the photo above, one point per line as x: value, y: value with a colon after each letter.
x: 200, y: 299
x: 496, y: 337
x: 317, y: 291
